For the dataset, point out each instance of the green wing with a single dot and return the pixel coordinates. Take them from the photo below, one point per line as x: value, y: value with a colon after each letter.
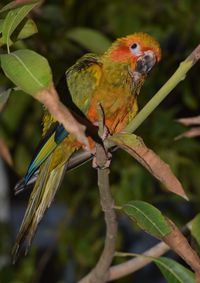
x: 83, y: 78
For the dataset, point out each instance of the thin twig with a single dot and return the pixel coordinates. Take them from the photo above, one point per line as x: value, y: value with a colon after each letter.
x: 132, y: 265
x: 99, y: 274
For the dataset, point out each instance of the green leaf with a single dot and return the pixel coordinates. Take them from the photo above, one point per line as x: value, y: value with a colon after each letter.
x: 90, y: 39
x: 173, y: 271
x: 27, y: 70
x: 12, y: 20
x: 148, y: 218
x: 23, y: 101
x: 1, y: 25
x: 196, y: 228
x: 4, y: 96
x: 14, y: 4
x: 28, y: 29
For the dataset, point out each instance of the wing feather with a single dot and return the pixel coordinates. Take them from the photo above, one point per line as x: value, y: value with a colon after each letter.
x: 82, y: 80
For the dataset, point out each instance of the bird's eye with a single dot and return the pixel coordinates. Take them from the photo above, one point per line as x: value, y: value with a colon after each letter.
x: 135, y: 48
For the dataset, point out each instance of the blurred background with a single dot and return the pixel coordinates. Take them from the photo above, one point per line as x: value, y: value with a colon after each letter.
x: 71, y: 235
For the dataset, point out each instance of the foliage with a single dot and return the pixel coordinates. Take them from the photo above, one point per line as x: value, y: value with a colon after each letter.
x: 78, y: 27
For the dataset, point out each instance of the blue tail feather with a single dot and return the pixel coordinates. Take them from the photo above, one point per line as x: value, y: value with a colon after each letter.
x: 50, y: 141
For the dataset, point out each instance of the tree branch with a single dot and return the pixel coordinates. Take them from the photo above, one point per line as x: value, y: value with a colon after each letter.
x: 132, y: 265
x: 50, y: 99
x: 99, y: 274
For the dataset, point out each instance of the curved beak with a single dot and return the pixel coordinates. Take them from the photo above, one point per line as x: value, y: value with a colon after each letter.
x: 145, y: 62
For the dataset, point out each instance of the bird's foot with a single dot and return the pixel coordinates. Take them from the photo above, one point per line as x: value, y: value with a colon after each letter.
x: 106, y: 165
x: 102, y: 150
x: 106, y: 131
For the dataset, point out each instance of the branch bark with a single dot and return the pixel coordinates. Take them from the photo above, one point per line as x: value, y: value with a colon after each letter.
x: 132, y: 265
x: 50, y: 99
x: 100, y: 273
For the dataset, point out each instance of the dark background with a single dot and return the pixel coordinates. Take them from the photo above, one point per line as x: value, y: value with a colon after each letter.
x: 70, y: 237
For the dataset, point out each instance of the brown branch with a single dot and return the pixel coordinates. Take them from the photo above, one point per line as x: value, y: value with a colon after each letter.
x: 132, y: 265
x: 195, y: 55
x: 99, y: 274
x: 50, y: 99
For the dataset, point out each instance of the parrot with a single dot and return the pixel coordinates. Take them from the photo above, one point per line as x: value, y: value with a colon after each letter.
x: 113, y: 80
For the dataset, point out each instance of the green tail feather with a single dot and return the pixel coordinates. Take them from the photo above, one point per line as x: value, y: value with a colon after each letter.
x: 41, y: 198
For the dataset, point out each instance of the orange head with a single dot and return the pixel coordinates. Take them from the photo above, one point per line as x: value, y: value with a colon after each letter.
x: 134, y: 46
x: 140, y: 50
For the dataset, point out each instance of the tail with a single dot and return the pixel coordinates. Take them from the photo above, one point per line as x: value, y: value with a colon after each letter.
x: 41, y: 198
x: 48, y: 144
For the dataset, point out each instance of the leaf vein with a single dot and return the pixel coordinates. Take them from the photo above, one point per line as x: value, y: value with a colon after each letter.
x: 171, y: 270
x: 26, y: 68
x: 149, y: 219
x: 11, y: 25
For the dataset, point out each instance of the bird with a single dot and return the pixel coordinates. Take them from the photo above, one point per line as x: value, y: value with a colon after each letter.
x: 113, y: 80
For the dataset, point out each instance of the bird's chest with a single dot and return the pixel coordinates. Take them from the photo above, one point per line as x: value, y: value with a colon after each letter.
x: 118, y: 103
